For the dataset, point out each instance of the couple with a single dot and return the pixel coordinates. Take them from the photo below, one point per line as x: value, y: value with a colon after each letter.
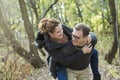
x: 69, y: 54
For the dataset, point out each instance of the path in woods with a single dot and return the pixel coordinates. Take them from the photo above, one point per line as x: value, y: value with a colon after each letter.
x: 108, y: 72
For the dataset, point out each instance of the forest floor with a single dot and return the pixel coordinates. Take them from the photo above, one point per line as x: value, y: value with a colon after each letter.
x: 111, y: 74
x: 22, y: 70
x: 108, y: 72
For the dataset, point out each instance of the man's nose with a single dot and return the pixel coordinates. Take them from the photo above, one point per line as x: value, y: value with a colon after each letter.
x: 73, y: 38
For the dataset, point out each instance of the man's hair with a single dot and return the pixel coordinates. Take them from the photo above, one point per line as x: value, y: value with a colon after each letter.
x: 84, y: 28
x: 47, y: 25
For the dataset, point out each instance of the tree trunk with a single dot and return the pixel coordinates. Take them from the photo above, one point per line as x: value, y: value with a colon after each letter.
x: 35, y: 59
x: 111, y: 54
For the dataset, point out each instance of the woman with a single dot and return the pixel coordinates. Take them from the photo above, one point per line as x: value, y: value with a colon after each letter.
x: 57, y: 36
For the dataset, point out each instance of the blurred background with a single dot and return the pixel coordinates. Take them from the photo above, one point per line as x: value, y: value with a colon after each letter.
x: 21, y: 60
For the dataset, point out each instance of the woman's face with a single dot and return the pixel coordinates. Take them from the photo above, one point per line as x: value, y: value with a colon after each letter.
x: 58, y: 32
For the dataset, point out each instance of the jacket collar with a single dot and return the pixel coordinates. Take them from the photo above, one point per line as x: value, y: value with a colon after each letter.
x: 52, y: 44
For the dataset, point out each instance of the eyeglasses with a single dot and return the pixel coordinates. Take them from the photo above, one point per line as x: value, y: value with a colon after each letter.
x: 76, y: 37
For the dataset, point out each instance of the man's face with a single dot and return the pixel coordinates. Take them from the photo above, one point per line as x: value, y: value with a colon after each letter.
x: 77, y: 38
x: 58, y: 32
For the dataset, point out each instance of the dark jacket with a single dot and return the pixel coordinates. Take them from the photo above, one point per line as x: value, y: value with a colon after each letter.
x: 66, y: 53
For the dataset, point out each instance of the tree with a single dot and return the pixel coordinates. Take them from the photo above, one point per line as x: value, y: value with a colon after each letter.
x: 32, y: 57
x: 79, y: 11
x: 111, y: 54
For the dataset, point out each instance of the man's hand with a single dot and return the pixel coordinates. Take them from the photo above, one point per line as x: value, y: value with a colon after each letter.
x: 87, y: 49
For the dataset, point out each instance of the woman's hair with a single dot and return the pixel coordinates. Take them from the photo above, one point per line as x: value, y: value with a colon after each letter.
x: 47, y: 25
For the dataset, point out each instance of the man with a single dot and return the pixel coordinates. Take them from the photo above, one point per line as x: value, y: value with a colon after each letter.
x: 80, y: 37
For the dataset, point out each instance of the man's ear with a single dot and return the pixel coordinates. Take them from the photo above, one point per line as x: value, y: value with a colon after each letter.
x: 49, y: 33
x: 86, y: 37
x: 89, y: 38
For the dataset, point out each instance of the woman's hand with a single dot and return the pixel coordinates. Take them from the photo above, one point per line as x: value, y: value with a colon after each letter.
x: 87, y: 49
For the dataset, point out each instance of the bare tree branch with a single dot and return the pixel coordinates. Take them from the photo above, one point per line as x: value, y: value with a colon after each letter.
x: 79, y: 12
x: 90, y: 8
x: 49, y: 8
x: 33, y: 5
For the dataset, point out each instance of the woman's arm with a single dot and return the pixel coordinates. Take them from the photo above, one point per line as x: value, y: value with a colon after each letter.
x: 92, y: 40
x: 68, y: 54
x: 39, y: 41
x: 66, y: 60
x: 68, y: 29
x: 69, y: 48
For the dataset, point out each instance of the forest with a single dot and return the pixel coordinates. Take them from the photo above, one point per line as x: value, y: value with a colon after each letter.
x: 20, y: 59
